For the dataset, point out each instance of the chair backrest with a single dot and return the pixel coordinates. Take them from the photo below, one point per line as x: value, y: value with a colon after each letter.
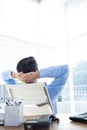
x: 34, y: 95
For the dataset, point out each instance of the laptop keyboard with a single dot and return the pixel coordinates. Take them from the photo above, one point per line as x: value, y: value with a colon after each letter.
x: 79, y: 117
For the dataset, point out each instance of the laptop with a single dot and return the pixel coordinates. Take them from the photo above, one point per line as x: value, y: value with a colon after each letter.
x: 80, y: 117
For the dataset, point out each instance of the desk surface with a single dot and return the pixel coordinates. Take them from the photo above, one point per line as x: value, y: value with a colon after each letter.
x: 64, y: 124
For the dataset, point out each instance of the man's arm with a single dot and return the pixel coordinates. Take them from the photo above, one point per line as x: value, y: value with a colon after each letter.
x: 60, y: 75
x: 54, y: 71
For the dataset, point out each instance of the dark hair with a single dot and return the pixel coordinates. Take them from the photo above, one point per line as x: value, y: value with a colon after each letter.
x: 28, y: 64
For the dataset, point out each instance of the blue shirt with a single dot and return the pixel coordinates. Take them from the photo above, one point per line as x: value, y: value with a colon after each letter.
x: 58, y: 73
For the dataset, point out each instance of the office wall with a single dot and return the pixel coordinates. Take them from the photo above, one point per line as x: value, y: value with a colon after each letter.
x: 26, y: 20
x: 52, y: 22
x: 19, y: 19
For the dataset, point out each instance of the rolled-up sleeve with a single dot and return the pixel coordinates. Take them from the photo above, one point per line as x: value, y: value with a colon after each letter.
x: 8, y: 79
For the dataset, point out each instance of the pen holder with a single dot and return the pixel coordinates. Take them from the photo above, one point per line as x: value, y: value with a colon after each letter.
x: 13, y: 115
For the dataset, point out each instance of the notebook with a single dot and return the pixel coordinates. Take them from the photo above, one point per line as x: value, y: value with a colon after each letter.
x: 81, y: 117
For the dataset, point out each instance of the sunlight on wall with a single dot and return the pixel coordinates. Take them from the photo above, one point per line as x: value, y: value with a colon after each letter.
x: 26, y: 20
x: 77, y: 32
x: 19, y: 19
x: 77, y: 20
x: 52, y: 22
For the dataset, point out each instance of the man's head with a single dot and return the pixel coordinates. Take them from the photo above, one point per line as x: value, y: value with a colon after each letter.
x: 28, y: 64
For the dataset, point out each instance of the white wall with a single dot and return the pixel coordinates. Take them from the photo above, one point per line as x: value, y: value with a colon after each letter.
x: 52, y: 22
x: 26, y: 20
x: 19, y: 19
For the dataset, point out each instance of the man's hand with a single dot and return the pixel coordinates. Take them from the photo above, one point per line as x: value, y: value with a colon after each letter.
x: 29, y: 77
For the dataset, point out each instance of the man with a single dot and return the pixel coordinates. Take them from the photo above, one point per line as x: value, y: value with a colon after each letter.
x: 28, y: 72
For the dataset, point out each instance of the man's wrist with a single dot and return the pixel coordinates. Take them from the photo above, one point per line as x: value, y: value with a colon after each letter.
x: 13, y: 74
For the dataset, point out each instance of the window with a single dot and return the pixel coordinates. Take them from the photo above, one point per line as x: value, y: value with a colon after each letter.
x: 77, y: 40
